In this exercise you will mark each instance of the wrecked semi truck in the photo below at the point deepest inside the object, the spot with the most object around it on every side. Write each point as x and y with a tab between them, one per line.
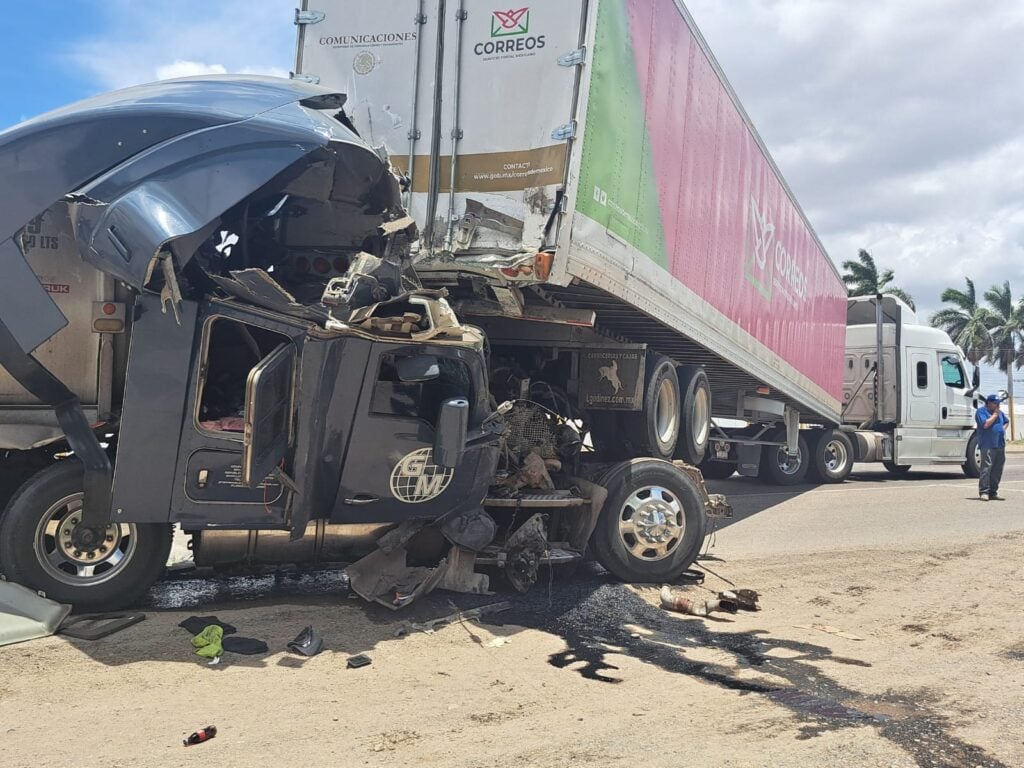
210	317
593	195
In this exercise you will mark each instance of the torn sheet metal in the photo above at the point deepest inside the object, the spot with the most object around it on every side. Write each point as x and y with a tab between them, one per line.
24	615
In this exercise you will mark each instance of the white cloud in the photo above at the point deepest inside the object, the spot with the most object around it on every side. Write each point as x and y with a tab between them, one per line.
897	125
181	68
143	42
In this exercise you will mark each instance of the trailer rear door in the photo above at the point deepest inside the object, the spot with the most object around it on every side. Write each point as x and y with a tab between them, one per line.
430	80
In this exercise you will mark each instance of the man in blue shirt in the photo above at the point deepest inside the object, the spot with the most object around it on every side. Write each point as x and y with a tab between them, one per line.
992	442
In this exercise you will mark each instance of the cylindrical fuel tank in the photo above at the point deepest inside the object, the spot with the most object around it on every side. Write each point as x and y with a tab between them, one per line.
323	543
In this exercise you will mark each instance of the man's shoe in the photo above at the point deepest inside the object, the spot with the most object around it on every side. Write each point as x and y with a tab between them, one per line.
997	497
983	496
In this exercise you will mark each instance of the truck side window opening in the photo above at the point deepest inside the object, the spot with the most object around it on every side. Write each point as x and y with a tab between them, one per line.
922	375
419	400
953	373
232	350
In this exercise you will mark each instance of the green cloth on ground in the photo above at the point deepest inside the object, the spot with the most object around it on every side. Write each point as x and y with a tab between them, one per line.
208	643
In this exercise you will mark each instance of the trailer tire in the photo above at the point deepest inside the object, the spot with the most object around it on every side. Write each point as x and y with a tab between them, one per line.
654	430
781	469
652	524
831	456
717	470
899	470
972	461
36	549
695	418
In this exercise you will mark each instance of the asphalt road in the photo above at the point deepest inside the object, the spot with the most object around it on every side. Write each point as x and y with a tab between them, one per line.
872	510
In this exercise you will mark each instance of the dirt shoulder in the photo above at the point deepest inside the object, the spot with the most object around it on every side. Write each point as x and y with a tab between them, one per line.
582	671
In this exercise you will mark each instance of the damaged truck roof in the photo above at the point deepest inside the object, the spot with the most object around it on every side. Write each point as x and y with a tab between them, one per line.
148	171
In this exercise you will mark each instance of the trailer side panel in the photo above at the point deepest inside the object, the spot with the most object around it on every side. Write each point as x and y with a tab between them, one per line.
678	193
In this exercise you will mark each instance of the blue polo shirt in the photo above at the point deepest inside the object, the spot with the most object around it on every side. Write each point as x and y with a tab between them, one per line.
994	436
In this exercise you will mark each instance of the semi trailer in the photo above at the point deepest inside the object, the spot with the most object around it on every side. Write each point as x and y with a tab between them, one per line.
472	289
593	195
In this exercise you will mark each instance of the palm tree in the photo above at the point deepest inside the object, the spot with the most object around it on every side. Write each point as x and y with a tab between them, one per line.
862	279
966	322
1007	327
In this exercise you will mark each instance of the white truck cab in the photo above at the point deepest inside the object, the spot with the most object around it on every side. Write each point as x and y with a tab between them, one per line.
919	410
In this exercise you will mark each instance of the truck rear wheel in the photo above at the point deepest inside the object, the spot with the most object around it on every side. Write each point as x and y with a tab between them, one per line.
831	456
37	548
654	431
652	524
972	461
695	430
779	467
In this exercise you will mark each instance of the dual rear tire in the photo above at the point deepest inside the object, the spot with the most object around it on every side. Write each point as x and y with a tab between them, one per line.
674	421
823	456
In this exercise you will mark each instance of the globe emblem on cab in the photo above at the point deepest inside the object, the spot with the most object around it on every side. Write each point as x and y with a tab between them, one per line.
416	478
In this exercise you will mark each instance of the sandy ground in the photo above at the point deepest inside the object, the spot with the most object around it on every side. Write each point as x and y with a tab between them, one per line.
585	670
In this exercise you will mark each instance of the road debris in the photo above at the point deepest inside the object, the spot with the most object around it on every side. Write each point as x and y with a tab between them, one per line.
208	643
307	643
359	660
198	737
680	602
99	625
25	615
430	627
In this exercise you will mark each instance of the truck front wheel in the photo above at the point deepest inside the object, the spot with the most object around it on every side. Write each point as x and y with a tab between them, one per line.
831	456
652	524
972	460
38	547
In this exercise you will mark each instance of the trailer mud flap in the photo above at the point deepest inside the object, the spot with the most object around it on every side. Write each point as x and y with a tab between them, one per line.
612	379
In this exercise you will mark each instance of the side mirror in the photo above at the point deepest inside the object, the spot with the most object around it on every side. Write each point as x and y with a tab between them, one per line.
976	377
417	369
452	427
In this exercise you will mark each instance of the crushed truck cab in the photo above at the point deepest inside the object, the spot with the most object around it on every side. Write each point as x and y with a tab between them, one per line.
241	345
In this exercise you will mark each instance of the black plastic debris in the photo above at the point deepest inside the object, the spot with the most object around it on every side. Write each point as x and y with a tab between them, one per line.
307	643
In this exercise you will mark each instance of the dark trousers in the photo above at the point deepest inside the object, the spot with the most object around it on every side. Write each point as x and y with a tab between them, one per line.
992	461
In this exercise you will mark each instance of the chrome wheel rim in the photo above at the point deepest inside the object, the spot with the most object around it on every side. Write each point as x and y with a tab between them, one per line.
789	464
666	412
62	560
652	523
701	417
836	456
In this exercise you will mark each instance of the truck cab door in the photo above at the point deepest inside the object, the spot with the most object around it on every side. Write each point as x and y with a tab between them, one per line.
956	410
919	431
390	472
268	414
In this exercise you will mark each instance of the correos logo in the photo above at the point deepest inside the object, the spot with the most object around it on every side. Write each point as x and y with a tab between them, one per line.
509	23
510	35
769	263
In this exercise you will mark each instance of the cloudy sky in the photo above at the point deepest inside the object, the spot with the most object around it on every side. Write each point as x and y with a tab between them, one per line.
899	124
